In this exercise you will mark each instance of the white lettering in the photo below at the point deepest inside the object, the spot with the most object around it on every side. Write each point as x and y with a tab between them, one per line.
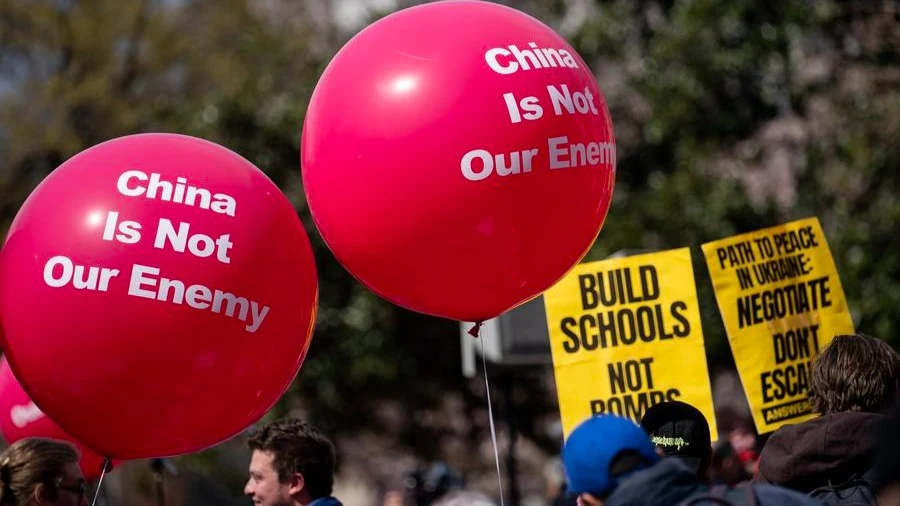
512	167
219	297
593	153
65	276
138	280
79	281
197	296
193	193
109	230
511	59
512	108
200	245
128	191
177	287
580	101
564	155
105	276
223	204
180	193
527	156
506	164
567	59
258	316
156	184
165	231
128	230
223	244
491	58
97	278
539	54
487	164
555	152
532	108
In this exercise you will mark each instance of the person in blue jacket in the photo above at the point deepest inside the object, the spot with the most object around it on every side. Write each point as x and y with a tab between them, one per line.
292	464
610	461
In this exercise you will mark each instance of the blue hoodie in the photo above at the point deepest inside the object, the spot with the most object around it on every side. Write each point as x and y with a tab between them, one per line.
669	482
325	501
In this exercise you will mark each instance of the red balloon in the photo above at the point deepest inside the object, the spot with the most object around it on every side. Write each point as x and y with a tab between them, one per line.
157	295
458	158
20	418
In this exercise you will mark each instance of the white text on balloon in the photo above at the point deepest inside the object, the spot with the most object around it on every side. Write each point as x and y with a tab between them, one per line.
197	296
563	101
61	271
129	231
200	245
130	185
581	101
579	154
511	59
519	162
97	277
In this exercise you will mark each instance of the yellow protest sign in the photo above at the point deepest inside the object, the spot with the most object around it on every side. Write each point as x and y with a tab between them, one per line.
625	334
781	300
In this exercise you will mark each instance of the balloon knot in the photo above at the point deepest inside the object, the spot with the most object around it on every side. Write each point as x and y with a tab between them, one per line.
475	329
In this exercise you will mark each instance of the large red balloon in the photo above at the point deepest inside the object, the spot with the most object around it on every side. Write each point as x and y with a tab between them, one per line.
458	158
20	418
157	295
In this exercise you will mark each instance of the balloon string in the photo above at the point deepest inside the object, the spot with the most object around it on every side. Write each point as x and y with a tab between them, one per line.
474	331
487	388
100	483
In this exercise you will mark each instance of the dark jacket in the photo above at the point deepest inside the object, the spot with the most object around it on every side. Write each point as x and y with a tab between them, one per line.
670	482
833	447
325	501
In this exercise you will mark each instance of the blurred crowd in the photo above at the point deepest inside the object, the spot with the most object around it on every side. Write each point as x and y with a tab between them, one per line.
847	455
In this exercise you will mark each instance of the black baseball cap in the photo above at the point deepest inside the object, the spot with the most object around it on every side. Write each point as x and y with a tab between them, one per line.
679	430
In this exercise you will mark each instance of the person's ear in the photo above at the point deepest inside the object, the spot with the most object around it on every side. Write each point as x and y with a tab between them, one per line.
41	494
296	483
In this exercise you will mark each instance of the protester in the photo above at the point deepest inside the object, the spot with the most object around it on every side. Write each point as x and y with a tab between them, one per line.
742	438
610	461
41	472
424	487
852	381
292	464
680	430
726	467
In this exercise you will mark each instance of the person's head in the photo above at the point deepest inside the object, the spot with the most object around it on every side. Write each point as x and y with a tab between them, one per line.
680	430
854	373
425	487
602	451
291	463
41	472
726	466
